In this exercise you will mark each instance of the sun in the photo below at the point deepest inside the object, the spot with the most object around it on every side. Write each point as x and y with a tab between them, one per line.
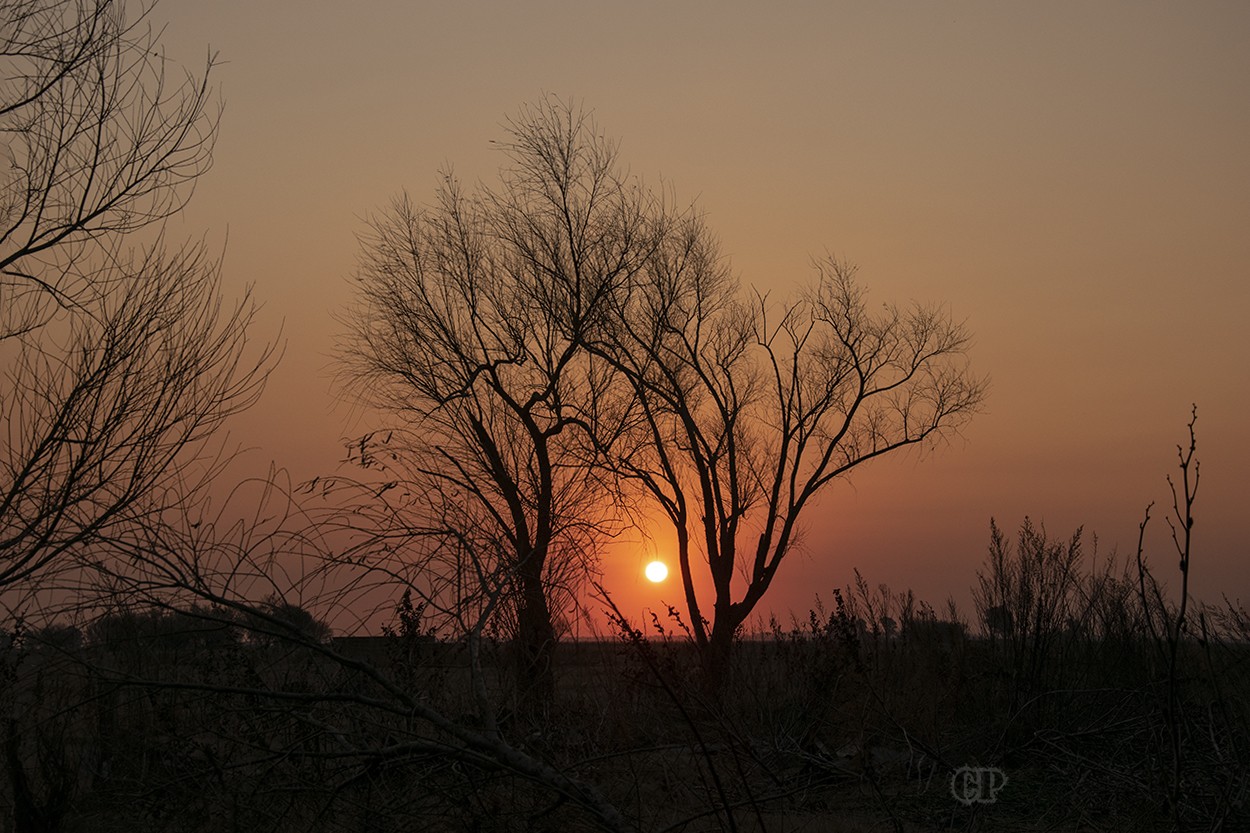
656	571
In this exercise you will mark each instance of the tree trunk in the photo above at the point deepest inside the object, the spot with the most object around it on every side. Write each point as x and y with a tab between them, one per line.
536	643
718	653
30	815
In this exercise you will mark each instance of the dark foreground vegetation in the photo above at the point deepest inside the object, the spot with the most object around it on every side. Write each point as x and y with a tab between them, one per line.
1067	681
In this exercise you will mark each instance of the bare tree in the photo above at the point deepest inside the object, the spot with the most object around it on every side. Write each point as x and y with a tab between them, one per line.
471	329
119	358
745	412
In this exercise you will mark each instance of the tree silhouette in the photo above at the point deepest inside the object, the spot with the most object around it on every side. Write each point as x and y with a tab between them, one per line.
471	334
118	355
745	411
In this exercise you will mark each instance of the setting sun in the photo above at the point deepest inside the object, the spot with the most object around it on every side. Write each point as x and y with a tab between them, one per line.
657	571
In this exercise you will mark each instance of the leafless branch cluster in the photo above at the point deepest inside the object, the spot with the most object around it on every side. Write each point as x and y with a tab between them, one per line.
119	356
103	138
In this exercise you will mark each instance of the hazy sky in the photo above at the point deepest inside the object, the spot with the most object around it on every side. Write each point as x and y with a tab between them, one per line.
1073	179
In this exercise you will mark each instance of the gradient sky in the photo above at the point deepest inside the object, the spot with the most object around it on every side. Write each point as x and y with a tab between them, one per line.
1073	179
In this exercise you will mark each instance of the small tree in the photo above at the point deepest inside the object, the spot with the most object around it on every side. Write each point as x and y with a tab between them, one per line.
470	333
745	412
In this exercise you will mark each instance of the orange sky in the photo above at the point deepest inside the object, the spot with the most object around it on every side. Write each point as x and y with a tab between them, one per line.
1071	178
